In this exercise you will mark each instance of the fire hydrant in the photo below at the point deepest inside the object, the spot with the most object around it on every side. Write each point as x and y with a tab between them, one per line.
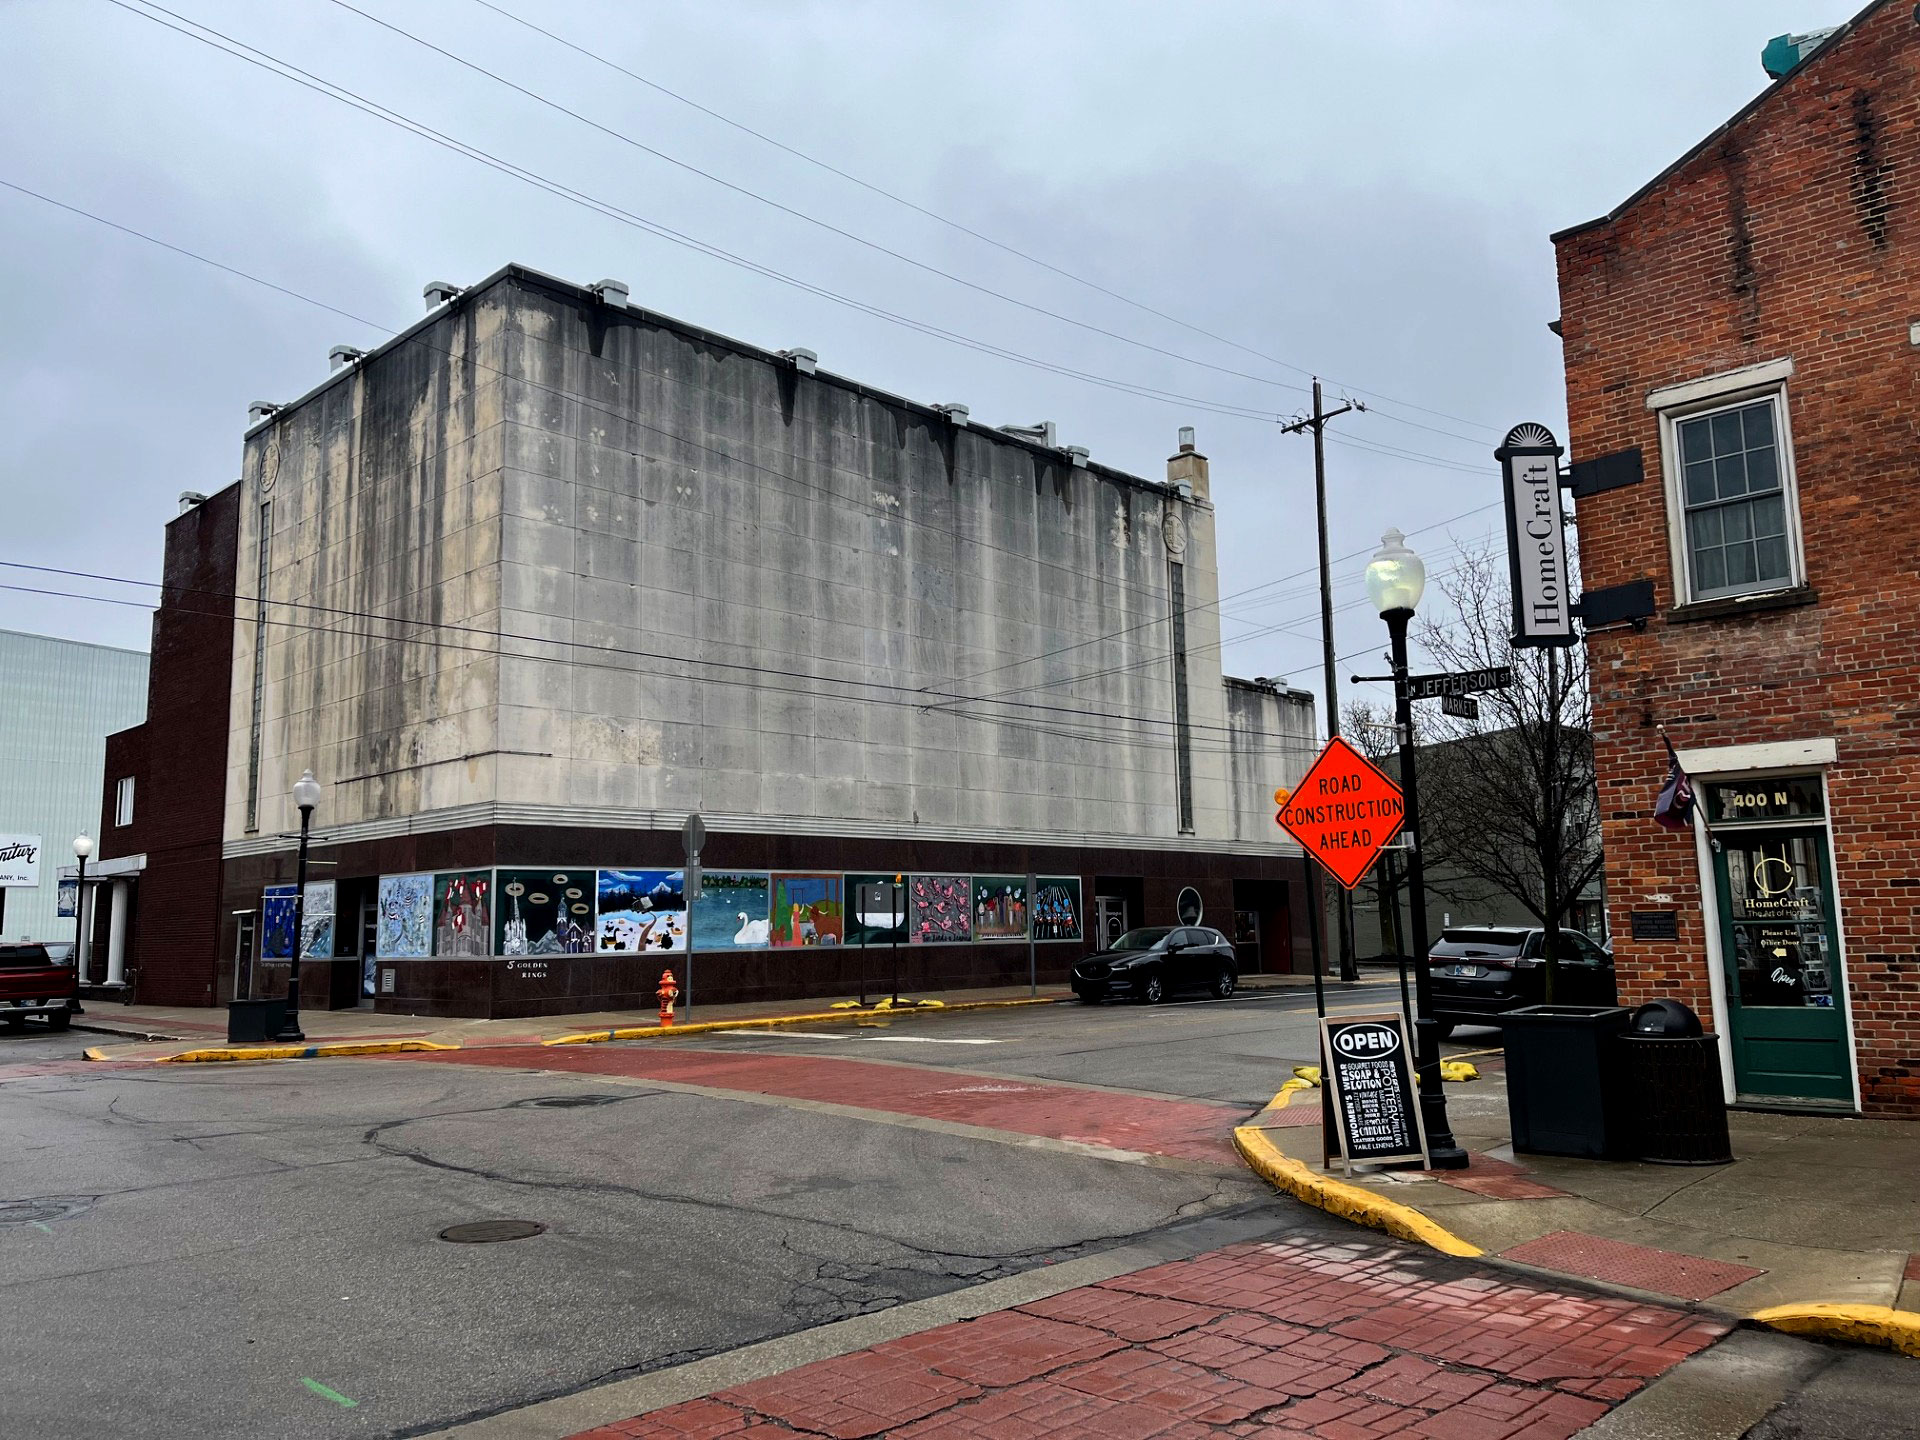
668	992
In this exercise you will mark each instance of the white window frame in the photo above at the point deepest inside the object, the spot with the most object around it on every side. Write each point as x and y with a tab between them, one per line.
123	801
1715	393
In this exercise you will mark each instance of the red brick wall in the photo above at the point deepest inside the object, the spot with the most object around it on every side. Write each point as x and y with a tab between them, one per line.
180	759
1793	233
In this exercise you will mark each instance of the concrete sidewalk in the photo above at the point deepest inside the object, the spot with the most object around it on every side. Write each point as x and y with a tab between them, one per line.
145	1032
1813	1209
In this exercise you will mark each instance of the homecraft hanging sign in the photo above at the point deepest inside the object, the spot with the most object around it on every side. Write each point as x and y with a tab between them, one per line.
1541	582
19	861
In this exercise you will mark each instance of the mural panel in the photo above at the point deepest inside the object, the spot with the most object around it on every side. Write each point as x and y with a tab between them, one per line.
1000	907
1056	909
805	909
406	917
316	921
939	909
276	922
874	927
544	912
642	910
732	911
463	913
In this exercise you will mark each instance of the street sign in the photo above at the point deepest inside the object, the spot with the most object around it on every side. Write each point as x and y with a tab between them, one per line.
693	834
1459	682
1369	1076
1541	582
1342	811
1463	707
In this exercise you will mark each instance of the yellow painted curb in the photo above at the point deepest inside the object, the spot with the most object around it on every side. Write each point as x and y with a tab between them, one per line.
769	1022
1349	1202
321	1051
94	1052
1859	1324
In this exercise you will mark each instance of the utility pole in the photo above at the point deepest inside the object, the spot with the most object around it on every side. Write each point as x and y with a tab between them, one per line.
1317	423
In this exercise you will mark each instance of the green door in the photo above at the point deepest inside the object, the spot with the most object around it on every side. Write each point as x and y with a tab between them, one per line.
1786	997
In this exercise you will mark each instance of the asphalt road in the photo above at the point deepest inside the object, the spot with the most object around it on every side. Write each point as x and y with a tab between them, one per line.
183	1250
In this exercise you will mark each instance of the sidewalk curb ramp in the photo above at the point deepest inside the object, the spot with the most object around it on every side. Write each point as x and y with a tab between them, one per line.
1855	1324
1349	1202
220	1054
770	1022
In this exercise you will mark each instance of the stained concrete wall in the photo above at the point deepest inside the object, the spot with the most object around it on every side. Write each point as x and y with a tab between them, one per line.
786	600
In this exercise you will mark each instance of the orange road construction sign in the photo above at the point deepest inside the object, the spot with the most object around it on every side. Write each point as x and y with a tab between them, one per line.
1343	811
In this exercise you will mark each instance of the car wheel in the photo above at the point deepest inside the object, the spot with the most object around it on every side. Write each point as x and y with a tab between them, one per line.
1223	985
1089	999
1153	990
59	1019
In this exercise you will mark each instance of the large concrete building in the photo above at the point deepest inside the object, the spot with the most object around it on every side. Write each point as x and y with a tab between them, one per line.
1742	345
58	701
546	573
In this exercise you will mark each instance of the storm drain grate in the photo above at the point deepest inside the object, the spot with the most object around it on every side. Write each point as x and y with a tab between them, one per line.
489	1232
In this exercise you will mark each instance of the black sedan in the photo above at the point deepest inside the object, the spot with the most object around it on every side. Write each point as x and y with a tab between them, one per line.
1150	964
1481	970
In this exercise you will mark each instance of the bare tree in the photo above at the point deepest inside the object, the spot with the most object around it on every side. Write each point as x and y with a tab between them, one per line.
1510	797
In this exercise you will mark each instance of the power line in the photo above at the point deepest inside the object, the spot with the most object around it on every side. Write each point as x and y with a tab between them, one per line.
960	226
273	65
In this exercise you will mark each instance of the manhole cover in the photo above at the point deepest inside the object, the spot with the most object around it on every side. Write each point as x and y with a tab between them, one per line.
572	1102
487	1232
43	1210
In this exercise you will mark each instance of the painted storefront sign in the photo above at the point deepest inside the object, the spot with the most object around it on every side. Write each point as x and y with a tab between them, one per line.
939	909
405	925
545	912
463	913
806	909
732	911
19	862
642	910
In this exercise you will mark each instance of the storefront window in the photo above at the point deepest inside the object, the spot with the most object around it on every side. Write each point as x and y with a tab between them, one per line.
1779	907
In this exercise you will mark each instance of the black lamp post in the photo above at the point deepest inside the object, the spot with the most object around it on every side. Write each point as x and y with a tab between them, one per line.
82	848
1396	578
306	795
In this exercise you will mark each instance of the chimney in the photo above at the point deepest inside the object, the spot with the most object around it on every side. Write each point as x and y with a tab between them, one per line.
440	292
189	499
1187	469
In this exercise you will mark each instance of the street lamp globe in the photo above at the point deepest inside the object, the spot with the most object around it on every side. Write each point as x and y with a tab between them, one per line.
82	847
306	792
1396	577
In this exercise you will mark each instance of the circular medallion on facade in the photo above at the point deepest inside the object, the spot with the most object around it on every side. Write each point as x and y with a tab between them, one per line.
1188	907
1174	530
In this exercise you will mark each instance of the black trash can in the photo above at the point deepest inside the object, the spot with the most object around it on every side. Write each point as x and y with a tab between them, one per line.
1564	1093
1672	1076
254	1022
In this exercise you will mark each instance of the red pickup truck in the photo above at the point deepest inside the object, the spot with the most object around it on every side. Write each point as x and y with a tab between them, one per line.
35	981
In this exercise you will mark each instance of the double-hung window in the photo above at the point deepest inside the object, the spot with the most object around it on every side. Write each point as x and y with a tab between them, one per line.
1732	501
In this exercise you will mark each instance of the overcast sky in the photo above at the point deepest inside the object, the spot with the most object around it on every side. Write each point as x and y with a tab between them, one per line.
1364	190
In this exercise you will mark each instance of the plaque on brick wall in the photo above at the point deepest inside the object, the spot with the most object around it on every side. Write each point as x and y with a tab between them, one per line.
1656	924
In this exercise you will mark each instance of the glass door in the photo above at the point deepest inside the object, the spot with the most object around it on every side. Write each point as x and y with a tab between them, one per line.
1786	1000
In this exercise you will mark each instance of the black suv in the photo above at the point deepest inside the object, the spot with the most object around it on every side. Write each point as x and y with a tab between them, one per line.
1150	964
1481	970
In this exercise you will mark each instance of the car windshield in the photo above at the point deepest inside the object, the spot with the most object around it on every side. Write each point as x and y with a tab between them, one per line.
1490	944
1141	939
24	957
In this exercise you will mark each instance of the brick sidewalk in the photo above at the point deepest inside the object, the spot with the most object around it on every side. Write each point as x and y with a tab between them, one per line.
1338	1341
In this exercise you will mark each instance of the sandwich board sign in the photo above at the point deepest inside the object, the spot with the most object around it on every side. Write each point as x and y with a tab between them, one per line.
1369	1078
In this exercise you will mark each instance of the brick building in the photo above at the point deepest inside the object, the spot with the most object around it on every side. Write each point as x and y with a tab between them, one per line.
546	572
1749	323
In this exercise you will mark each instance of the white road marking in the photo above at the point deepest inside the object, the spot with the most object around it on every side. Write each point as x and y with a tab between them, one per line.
930	1040
782	1034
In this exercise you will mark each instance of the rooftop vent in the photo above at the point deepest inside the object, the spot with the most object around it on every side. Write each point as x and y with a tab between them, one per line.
342	356
1045	431
1186	438
440	292
189	499
261	410
610	293
805	361
956	413
1786	53
1078	454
